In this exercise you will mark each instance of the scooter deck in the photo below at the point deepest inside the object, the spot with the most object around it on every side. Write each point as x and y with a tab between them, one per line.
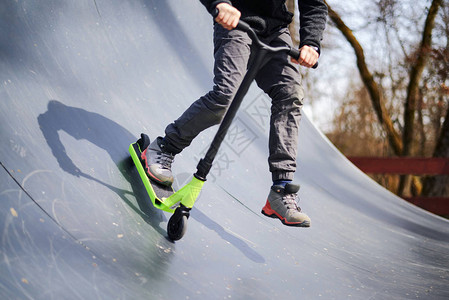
157	193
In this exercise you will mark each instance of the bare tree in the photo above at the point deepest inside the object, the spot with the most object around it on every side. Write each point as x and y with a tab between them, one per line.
401	138
439	185
371	85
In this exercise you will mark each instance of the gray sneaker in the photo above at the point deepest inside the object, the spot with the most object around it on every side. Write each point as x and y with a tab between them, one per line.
281	203
158	163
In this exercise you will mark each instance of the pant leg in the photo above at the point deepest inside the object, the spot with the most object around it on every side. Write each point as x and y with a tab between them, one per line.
281	80
231	54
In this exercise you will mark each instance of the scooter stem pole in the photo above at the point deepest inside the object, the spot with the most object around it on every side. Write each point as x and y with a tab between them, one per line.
205	164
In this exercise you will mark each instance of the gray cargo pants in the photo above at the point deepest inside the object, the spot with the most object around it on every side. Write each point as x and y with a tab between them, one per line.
279	78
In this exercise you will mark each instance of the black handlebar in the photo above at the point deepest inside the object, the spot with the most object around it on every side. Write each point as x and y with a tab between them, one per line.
243	26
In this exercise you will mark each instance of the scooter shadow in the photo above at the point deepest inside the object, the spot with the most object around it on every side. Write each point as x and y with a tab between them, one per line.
105	134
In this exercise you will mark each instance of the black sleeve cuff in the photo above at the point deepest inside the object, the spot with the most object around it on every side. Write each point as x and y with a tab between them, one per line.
214	4
312	45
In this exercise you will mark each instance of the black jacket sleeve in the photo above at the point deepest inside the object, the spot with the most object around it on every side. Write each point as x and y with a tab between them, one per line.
312	21
312	16
211	4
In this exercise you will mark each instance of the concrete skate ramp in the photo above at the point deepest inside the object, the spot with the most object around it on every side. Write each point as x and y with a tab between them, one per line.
80	80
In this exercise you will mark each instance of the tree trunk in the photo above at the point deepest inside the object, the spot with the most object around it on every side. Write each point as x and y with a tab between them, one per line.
413	86
415	77
439	185
372	87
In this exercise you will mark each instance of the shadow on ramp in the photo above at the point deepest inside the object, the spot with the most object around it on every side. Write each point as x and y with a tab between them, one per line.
105	134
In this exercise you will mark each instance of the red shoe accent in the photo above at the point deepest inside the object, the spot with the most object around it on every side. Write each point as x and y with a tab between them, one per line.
269	212
143	157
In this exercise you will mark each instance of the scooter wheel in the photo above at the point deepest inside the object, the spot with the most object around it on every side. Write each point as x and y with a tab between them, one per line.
177	227
143	142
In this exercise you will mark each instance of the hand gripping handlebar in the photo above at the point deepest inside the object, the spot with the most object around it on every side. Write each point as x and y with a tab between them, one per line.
243	26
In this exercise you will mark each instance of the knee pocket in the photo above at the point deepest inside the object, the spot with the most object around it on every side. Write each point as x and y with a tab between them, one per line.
285	97
215	113
283	92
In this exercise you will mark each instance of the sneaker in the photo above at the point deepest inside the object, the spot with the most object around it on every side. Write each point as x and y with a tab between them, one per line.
281	203
158	163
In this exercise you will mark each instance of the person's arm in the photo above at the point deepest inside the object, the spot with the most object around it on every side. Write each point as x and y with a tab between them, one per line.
312	21
228	16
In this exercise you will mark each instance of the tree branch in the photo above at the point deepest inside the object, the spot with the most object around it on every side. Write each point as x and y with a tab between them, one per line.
368	80
415	77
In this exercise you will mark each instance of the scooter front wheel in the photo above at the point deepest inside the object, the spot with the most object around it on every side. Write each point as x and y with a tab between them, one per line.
177	225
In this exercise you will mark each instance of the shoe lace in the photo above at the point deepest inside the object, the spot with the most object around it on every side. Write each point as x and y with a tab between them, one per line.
289	200
165	160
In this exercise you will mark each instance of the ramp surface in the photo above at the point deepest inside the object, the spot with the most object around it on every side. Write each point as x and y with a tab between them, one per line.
80	80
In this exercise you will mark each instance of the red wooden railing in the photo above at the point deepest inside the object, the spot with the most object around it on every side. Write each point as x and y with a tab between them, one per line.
412	166
402	165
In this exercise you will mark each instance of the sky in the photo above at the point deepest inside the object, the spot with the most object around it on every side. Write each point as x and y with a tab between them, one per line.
326	86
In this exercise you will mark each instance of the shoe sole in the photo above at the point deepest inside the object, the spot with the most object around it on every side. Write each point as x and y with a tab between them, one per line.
273	214
157	180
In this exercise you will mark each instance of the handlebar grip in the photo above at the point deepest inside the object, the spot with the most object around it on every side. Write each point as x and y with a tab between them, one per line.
294	53
244	26
215	13
241	25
